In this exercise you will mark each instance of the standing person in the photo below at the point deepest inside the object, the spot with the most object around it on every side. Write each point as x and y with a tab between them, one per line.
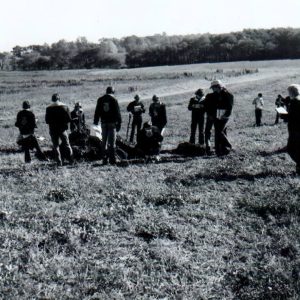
58	117
26	122
293	146
258	102
78	118
198	112
218	106
107	109
136	108
158	114
279	102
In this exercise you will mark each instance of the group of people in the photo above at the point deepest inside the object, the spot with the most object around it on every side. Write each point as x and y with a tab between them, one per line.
217	106
207	112
281	104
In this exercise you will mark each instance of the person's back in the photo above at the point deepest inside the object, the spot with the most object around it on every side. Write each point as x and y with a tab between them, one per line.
158	114
57	117
294	115
26	122
107	110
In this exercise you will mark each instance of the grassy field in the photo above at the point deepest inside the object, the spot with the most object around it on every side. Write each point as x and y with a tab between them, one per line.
202	228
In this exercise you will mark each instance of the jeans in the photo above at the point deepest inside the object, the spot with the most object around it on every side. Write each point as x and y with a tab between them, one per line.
222	144
28	143
197	121
136	123
258	115
109	136
63	136
208	127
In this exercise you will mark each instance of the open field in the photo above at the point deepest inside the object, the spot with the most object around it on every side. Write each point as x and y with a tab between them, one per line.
206	228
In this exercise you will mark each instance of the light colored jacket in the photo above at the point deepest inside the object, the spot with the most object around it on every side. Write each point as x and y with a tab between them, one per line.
259	103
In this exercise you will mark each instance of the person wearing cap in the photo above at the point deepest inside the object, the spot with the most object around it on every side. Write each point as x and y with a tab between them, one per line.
149	140
136	108
258	102
58	118
198	112
78	118
218	106
108	110
26	122
293	145
158	114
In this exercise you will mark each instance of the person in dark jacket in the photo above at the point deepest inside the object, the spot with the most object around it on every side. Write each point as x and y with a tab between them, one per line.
78	118
58	117
198	113
107	109
158	114
149	140
293	146
26	122
218	106
136	108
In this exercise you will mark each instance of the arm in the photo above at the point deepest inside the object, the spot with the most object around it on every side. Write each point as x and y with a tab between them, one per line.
190	106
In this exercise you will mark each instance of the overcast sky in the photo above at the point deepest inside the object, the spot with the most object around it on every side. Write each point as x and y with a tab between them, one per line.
27	22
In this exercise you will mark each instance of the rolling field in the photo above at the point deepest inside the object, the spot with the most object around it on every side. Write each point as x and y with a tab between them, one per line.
201	228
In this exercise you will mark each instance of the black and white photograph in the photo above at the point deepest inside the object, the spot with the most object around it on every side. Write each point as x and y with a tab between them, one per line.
150	150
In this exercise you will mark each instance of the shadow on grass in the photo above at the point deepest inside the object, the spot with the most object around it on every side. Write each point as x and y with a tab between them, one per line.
226	176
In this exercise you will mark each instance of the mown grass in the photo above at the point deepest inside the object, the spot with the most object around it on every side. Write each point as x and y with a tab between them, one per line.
206	228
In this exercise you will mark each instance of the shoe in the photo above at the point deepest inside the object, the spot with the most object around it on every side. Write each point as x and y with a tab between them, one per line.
105	162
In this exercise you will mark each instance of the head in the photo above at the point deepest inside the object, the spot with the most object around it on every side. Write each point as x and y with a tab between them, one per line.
55	97
137	98
216	86
148	129
294	90
78	105
26	105
155	98
259	95
199	93
110	90
279	96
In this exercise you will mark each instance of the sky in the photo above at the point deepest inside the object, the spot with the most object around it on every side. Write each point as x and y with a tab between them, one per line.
29	22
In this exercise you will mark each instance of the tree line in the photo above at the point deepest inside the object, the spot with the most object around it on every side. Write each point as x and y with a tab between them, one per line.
156	50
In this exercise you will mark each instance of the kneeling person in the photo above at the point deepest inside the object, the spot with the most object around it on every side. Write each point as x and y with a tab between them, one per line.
149	140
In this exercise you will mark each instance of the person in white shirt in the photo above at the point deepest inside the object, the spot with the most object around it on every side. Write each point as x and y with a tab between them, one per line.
258	102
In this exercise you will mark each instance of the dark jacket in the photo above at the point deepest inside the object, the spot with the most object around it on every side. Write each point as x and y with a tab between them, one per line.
136	108
57	117
158	114
219	105
107	109
294	116
196	106
149	143
26	121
